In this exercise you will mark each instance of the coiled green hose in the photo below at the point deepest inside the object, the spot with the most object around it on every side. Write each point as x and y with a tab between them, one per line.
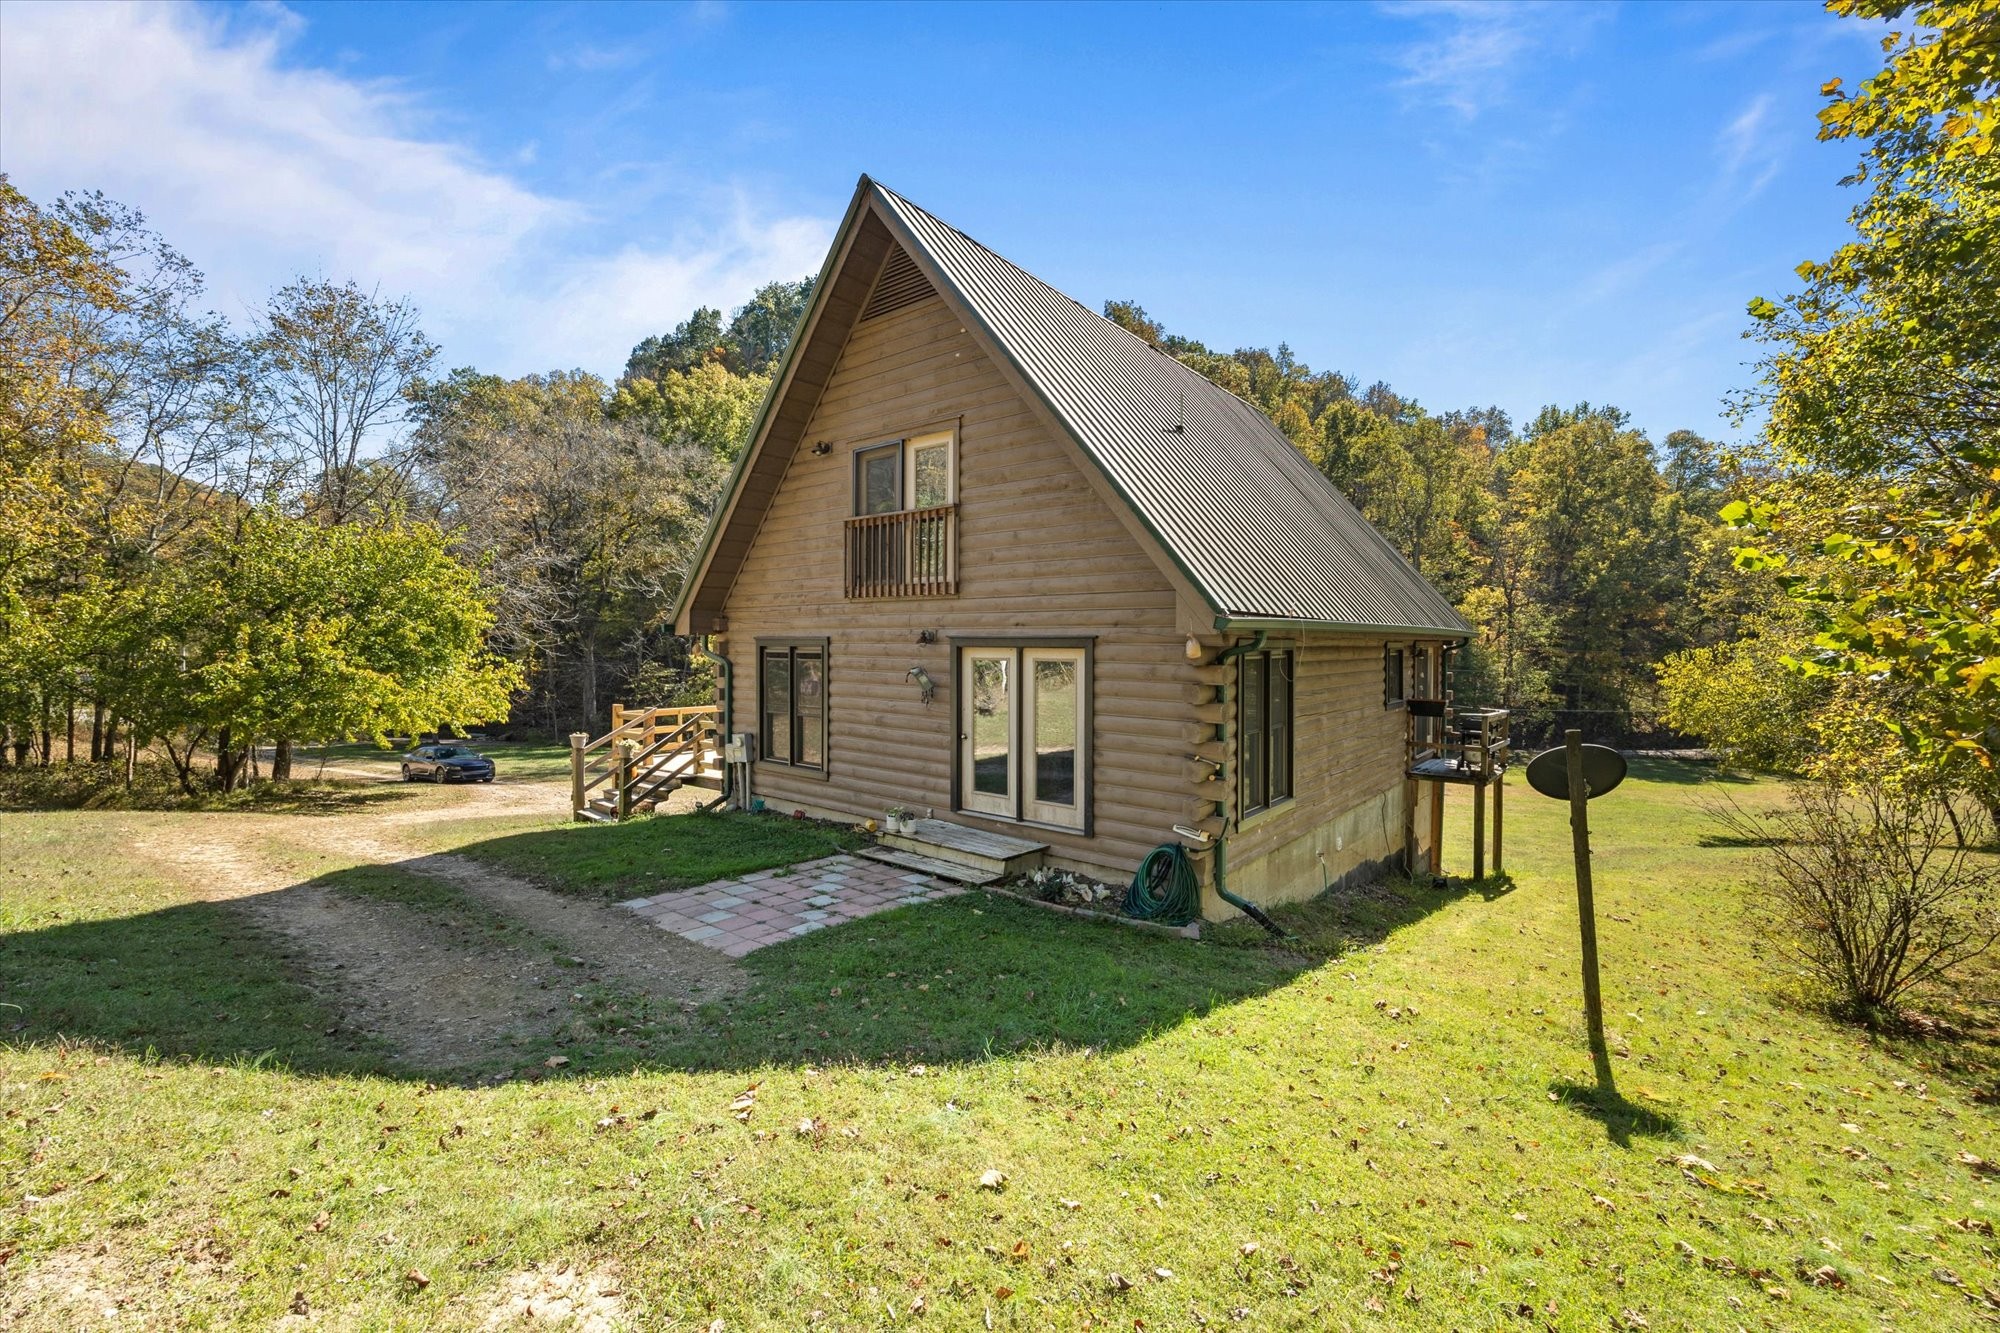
1165	889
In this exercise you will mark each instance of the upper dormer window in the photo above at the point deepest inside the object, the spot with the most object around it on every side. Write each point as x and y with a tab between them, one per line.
917	473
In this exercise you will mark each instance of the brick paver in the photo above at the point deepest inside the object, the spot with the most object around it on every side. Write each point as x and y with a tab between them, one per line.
770	906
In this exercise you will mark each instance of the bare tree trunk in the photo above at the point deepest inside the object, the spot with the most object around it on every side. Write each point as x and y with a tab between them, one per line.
69	728
229	761
48	747
99	751
131	755
281	760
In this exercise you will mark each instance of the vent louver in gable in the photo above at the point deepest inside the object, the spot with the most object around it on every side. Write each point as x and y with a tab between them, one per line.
900	285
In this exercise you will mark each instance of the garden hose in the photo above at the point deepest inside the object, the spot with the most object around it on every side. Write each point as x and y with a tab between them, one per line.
1165	889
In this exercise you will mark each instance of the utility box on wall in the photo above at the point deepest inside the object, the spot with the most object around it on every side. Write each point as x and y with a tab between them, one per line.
737	750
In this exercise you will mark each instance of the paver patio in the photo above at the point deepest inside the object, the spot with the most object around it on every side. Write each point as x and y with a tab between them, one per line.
771	906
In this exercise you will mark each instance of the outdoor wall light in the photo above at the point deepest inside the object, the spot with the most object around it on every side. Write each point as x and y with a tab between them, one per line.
924	682
822	449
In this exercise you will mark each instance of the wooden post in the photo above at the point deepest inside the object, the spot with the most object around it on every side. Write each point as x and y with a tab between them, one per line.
626	749
577	740
1586	908
1437	829
1499	793
1479	830
1410	789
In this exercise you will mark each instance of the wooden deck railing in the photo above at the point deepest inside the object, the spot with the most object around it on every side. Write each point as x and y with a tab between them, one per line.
647	754
909	554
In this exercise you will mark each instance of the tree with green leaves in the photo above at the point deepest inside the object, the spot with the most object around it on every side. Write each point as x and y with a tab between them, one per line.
1879	504
282	626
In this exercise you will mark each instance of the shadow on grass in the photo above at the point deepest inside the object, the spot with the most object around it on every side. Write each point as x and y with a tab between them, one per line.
968	978
1621	1117
964	979
1739	840
1345	919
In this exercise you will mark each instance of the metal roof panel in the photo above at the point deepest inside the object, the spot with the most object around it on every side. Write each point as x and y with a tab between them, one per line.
1255	525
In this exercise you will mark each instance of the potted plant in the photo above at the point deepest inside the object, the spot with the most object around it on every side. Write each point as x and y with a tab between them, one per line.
900	820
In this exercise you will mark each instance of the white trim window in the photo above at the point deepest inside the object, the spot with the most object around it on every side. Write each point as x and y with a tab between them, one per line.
920	472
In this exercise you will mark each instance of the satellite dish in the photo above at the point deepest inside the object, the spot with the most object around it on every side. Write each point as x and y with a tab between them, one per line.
1603	769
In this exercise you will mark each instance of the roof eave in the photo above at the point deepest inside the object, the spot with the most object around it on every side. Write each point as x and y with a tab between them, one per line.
725	504
1226	624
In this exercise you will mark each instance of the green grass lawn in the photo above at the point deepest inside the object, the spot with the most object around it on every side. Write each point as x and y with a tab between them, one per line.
1392	1125
649	855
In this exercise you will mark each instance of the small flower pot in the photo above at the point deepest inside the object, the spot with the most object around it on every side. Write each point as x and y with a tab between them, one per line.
906	825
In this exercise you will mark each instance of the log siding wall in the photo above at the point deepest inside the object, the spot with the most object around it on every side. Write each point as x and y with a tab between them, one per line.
1351	799
1038	554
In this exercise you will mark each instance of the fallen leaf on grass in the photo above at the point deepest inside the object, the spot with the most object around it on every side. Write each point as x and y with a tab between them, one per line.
1119	1282
993	1180
745	1103
556	1061
1974	1224
416	1278
1978	1164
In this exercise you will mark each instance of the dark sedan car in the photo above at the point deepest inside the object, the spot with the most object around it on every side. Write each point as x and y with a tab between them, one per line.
446	763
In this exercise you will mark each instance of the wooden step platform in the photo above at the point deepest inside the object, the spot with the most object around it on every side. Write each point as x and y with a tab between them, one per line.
930	865
996	854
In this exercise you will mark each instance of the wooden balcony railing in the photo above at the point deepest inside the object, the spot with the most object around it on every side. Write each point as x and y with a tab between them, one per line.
910	554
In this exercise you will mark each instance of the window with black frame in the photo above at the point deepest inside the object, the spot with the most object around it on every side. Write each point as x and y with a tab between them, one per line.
1264	729
792	702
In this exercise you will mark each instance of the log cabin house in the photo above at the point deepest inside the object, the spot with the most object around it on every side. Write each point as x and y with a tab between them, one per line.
990	557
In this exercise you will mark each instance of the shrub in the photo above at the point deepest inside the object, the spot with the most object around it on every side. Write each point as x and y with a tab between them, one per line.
1870	890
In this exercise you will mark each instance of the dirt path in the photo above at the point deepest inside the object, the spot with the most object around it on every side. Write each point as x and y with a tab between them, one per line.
444	993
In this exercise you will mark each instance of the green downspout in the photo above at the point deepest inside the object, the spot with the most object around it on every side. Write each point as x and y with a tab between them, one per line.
1243	905
728	709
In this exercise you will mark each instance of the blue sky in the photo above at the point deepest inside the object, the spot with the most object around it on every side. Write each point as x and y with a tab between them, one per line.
1477	203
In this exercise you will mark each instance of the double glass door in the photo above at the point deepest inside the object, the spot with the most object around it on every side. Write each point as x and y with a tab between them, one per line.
1023	729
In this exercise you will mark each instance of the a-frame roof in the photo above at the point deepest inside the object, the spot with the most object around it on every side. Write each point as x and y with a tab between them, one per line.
1232	507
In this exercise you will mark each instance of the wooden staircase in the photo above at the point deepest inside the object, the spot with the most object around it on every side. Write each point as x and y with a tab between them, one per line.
648	754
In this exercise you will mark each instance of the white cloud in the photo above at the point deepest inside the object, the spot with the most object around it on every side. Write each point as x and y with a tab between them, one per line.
1471	50
1749	149
260	169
